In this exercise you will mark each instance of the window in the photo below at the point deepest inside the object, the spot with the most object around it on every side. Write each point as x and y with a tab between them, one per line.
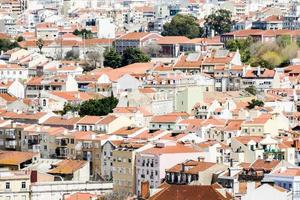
72	141
7	185
45	147
129	160
23	185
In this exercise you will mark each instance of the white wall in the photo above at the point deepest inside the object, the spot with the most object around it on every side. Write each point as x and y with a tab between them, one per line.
56	190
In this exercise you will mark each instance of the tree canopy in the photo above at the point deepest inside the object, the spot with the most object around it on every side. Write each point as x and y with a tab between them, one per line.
83	33
242	45
72	55
6	44
267	55
98	107
40	44
254	102
251	90
112	58
219	21
70	108
94	107
134	55
183	25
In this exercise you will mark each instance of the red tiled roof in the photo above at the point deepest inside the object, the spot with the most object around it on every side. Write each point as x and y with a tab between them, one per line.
173	40
169	149
189	192
67	166
81	196
134	36
90	120
246	139
165	119
265	73
266	165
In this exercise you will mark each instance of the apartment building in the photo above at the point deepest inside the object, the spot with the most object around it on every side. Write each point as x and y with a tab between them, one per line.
13	72
36	85
286	177
14	185
107	158
152	163
124	167
10	135
135	40
17	160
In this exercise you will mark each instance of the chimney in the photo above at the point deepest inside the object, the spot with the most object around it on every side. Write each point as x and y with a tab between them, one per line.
212	33
200	159
258	71
33	176
145	190
182	167
231	162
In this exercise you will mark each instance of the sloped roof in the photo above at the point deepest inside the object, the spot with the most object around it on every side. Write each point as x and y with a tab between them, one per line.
189	192
67	166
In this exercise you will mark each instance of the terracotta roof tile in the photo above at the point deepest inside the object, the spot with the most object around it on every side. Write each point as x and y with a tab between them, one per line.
15	157
173	40
81	196
266	165
90	120
67	166
246	139
169	149
189	192
134	36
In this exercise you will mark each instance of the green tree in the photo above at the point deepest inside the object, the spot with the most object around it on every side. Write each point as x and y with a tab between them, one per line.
219	21
254	102
72	55
20	39
69	108
112	58
183	25
243	45
251	90
87	34
268	54
98	107
134	55
273	58
40	44
283	40
6	44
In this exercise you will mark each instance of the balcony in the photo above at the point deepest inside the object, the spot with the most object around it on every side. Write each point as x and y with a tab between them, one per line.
247	177
10	145
10	135
277	155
